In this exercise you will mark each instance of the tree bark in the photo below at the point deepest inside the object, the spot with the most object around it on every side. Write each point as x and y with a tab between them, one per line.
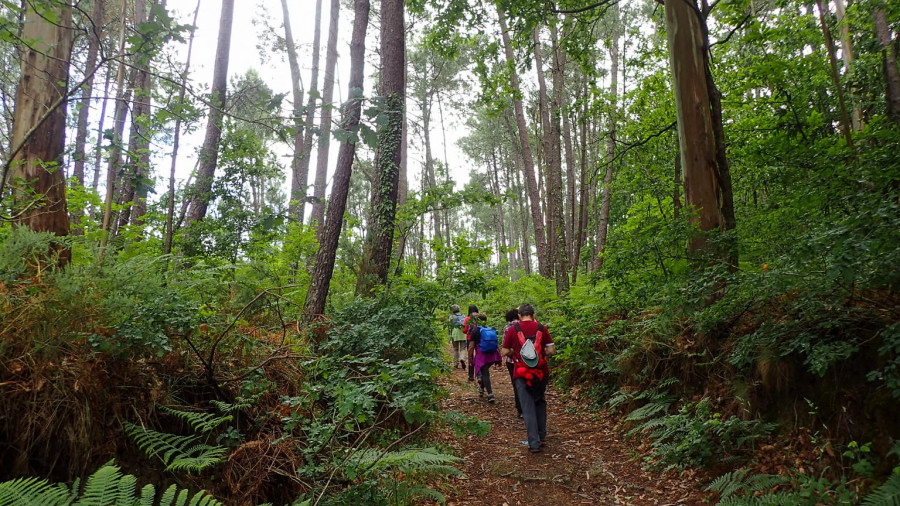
554	168
584	198
209	152
139	139
331	231
889	64
306	152
525	150
379	240
298	181
95	23
606	198
318	207
848	58
39	124
835	75
98	148
123	96
696	134
170	207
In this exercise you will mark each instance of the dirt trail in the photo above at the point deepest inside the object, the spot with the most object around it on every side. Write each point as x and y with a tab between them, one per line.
585	461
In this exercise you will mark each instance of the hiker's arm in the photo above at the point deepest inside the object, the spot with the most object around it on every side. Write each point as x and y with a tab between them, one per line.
549	349
505	351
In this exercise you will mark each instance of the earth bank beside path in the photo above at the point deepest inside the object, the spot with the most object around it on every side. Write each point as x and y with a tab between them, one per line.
585	460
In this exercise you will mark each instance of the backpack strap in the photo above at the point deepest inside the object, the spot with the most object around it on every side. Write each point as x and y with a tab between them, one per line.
520	334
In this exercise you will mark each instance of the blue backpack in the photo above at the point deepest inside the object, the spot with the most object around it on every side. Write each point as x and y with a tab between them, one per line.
488	342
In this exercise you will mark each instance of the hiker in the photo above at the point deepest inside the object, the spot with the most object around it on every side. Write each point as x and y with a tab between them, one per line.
512	317
469	327
486	350
457	338
529	343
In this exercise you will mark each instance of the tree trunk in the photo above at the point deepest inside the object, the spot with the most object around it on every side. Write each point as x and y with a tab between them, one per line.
298	181
429	175
209	152
170	207
584	198
123	96
726	198
889	64
603	222
835	75
98	148
140	119
39	124
95	24
554	169
525	150
847	56
676	192
306	152
696	135
379	241
318	207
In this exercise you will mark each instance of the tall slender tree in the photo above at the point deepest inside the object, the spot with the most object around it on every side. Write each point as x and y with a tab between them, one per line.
209	152
605	199
888	62
318	208
306	152
379	239
298	178
170	206
531	184
337	204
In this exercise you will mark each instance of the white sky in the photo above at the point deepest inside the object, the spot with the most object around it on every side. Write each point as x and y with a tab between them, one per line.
245	56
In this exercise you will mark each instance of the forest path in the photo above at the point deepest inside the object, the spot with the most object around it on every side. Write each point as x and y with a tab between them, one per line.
585	461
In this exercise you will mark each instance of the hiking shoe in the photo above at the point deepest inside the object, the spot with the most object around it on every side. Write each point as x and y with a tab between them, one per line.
480	392
535	450
491	398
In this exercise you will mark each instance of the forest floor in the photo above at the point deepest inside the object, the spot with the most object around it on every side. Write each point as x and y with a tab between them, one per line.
586	460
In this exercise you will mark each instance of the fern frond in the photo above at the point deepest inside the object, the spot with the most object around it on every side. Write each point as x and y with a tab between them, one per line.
106	486
33	491
178	453
427	461
203	423
888	494
649	410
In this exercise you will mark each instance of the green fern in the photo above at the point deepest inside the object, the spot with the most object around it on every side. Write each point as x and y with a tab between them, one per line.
888	494
411	463
203	423
739	481
178	453
106	487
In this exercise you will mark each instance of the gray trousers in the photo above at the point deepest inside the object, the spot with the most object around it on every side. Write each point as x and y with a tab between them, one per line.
534	409
459	351
484	378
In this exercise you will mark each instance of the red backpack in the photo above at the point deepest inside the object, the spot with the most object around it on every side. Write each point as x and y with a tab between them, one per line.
532	346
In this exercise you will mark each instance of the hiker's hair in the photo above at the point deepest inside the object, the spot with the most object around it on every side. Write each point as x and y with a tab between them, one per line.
473	308
454	308
482	317
526	309
512	315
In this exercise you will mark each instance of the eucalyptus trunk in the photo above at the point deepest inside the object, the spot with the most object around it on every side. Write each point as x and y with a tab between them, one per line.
39	126
835	74
696	133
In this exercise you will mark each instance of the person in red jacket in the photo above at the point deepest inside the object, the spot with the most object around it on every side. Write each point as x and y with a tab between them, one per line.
530	372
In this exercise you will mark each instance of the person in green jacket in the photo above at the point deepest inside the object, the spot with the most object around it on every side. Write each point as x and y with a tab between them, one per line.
457	338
